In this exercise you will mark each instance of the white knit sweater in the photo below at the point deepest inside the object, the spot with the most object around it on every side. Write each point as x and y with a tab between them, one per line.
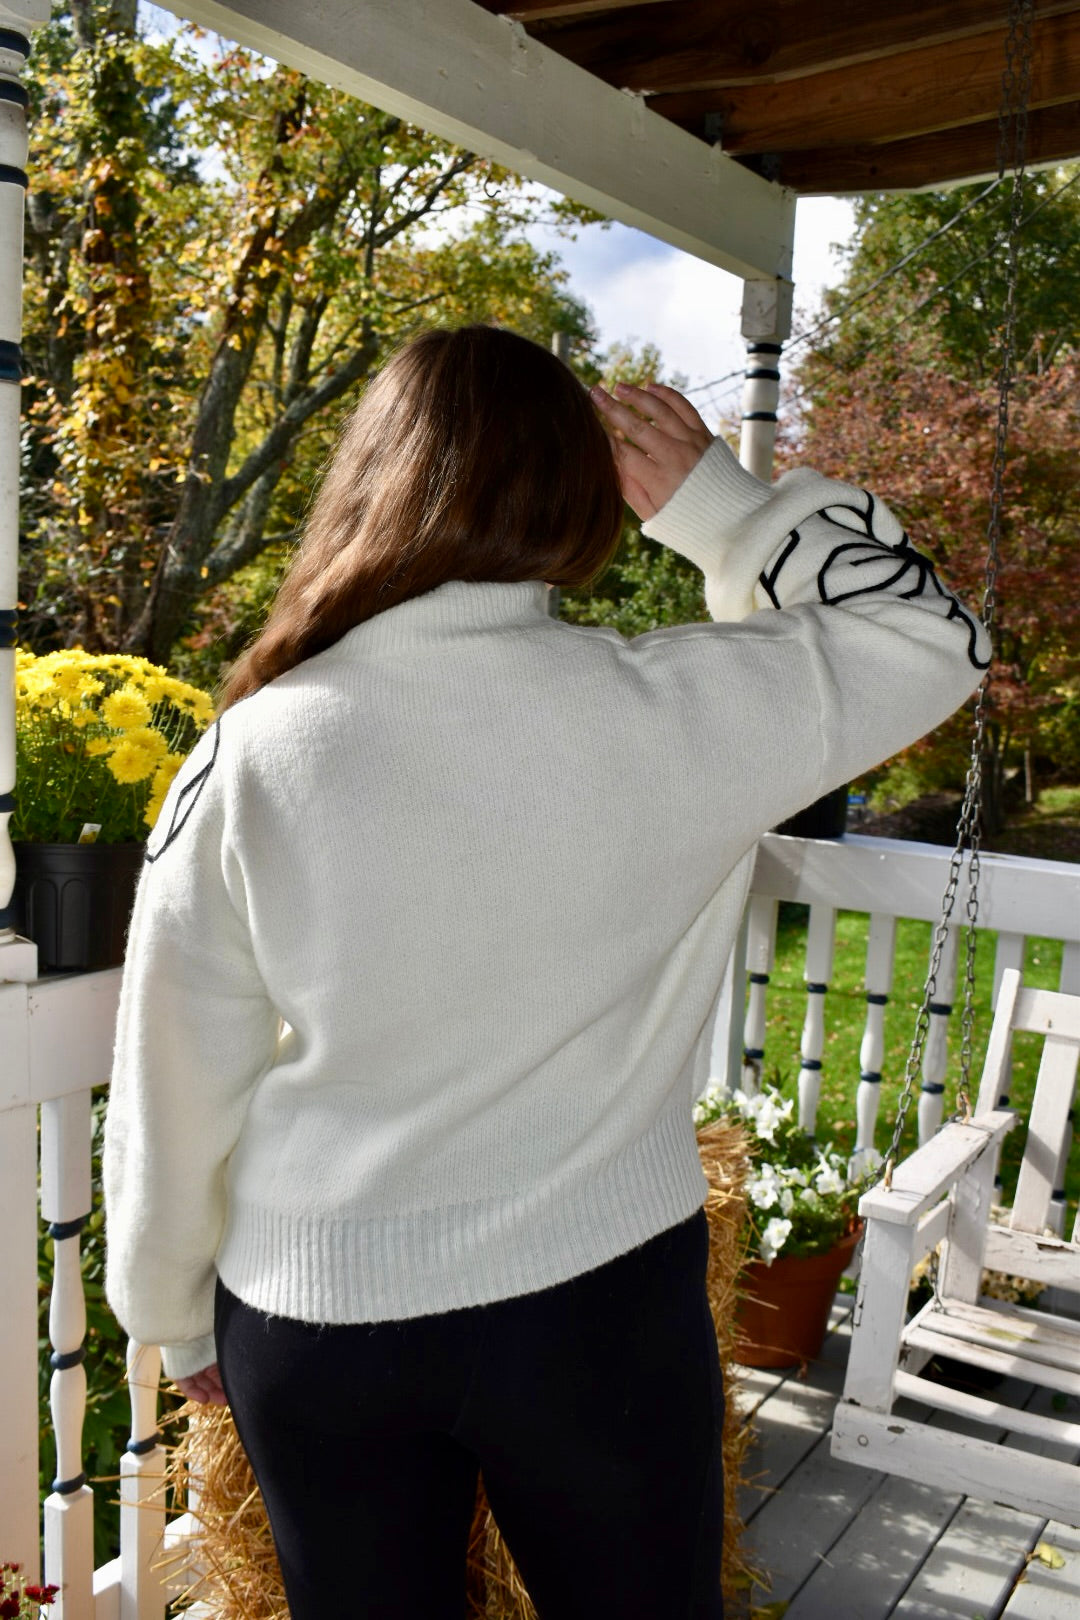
487	867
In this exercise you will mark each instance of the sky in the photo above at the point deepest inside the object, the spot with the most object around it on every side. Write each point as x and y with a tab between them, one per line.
640	290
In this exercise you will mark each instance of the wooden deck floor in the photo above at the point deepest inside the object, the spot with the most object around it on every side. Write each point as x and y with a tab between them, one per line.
841	1542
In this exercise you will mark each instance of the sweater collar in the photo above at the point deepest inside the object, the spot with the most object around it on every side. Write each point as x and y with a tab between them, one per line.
459	605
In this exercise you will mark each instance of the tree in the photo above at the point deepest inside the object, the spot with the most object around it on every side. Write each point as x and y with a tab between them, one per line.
220	252
900	393
927	268
924	439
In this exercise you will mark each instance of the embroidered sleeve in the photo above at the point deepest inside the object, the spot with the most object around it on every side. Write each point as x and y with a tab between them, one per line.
875	558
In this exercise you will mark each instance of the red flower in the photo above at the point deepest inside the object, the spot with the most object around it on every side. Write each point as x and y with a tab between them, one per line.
10	1608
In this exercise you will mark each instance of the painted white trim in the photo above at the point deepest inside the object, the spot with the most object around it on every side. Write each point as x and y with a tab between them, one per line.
480	81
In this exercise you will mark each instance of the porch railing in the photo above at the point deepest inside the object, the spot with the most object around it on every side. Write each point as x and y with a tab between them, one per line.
56	1043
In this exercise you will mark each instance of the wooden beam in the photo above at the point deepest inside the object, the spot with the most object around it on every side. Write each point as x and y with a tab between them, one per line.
928	160
896	98
528	11
480	82
683	45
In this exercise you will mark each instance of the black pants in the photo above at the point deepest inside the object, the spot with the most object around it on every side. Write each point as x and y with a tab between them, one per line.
594	1410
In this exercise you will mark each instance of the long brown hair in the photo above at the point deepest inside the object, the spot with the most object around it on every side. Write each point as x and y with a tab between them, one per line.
473	455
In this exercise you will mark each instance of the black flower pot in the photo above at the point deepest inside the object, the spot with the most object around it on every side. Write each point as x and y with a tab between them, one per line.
74	901
825	818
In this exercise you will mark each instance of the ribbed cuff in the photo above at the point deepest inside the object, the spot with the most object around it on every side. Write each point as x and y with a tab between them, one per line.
708	508
183	1360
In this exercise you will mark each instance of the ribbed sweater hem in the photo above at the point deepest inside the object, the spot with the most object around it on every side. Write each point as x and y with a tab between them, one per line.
364	1269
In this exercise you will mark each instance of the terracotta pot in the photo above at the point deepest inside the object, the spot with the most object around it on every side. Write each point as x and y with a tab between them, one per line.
783	1314
74	901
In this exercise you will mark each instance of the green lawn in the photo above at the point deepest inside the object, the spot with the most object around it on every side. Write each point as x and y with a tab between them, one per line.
845	1011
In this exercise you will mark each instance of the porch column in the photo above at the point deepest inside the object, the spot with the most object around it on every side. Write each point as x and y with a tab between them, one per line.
766	323
18	958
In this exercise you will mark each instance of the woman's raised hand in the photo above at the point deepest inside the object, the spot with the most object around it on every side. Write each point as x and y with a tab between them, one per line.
205	1387
658	438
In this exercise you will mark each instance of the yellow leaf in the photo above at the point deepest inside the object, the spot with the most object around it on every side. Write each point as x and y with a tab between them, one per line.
1048	1555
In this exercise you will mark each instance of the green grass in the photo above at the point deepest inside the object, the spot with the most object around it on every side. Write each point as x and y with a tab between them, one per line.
845	1013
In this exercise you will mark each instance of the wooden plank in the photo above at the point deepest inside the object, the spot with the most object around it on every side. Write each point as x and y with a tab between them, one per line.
1055	1341
902	879
695	44
979	1558
922	161
1047	1325
973	1567
1044	1485
481	81
1047	1124
996	1414
528	11
72	1022
868	1569
791	1413
993	1084
919	1181
1019	1363
1045	1592
895	98
1053	1261
1048	1012
797	1526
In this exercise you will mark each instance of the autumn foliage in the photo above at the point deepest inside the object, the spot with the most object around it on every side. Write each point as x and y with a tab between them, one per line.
924	439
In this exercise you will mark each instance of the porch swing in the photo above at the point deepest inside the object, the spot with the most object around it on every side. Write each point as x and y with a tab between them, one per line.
937	1203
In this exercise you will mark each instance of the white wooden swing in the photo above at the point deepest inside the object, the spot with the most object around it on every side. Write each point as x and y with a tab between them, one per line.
942	1195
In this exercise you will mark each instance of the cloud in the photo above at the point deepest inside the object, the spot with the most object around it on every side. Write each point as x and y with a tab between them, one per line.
642	291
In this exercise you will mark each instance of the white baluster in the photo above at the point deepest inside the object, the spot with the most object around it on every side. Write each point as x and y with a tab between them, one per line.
1069	982
65	1204
936	1051
142	1504
19	1516
880	954
18	958
820	938
760	955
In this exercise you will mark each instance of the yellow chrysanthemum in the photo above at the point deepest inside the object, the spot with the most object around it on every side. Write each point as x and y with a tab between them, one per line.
68	679
136	755
125	709
98	745
155	688
163	778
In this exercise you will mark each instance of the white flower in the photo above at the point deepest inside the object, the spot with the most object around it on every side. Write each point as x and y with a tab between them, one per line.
829	1180
787	1201
773	1239
764	1188
809	1196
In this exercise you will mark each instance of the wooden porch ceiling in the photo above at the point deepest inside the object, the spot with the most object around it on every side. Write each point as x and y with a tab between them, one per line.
843	96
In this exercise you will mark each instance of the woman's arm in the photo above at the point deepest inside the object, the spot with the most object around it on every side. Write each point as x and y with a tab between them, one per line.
196	1032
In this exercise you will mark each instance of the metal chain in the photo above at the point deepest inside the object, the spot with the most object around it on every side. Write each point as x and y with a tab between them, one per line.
1012	152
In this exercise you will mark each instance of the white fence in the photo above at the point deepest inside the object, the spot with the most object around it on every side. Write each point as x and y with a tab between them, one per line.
56	1043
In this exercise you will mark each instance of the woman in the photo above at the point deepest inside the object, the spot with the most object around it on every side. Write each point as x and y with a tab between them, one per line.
399	1154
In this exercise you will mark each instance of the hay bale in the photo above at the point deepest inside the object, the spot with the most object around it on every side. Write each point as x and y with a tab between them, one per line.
232	1568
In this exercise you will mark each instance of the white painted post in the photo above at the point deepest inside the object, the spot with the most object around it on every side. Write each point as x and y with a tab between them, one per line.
935	1061
65	1204
142	1502
19	1520
18	958
880	952
820	939
760	953
766	324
